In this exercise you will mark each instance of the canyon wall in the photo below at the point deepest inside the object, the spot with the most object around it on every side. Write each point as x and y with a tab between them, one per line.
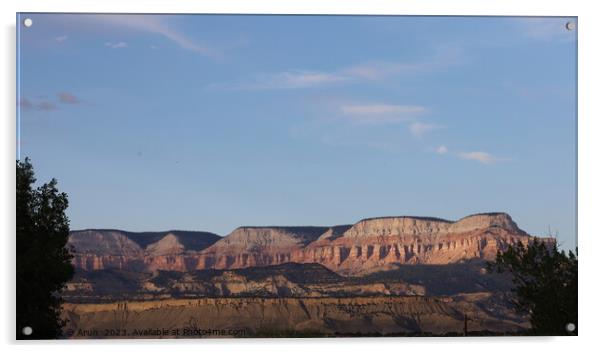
369	245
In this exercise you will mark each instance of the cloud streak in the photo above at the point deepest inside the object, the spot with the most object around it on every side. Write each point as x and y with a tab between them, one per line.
44	106
285	80
116	45
418	129
380	113
369	71
478	156
441	149
155	24
380	70
68	98
381	109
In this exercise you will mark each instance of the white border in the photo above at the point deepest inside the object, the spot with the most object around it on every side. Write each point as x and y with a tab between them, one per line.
590	174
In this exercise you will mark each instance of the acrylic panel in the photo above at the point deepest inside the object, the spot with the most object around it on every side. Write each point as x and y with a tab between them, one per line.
239	176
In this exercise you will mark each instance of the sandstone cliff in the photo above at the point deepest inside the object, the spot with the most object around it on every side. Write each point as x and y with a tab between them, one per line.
377	243
257	246
97	249
369	245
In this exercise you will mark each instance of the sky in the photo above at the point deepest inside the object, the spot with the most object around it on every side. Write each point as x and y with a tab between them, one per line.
210	122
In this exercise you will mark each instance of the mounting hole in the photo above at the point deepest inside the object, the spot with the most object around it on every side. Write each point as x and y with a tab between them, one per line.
28	22
570	327
570	26
27	330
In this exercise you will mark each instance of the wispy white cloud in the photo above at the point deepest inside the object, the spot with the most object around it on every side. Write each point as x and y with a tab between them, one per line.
477	156
60	39
418	129
380	109
306	78
116	45
481	157
158	25
381	113
284	80
380	70
369	71
441	149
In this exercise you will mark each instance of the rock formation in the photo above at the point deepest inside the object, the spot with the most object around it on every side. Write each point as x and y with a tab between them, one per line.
287	280
376	243
97	249
248	317
367	246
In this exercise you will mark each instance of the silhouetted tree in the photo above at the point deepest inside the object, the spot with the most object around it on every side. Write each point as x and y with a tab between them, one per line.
43	262
545	285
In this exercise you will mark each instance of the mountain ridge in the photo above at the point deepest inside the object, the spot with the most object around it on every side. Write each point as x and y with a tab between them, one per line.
362	247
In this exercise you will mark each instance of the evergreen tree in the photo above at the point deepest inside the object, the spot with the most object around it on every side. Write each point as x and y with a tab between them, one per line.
43	261
545	281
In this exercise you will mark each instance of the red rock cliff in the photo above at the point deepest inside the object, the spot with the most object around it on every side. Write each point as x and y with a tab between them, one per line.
369	245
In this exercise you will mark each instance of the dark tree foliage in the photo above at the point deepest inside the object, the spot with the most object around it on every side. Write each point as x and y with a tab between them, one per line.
43	261
545	285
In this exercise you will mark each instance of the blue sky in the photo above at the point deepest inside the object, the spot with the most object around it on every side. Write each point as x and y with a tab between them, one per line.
211	122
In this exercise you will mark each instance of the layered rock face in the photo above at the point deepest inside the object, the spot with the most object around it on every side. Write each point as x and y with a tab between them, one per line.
369	245
247	317
377	243
287	280
258	246
98	249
